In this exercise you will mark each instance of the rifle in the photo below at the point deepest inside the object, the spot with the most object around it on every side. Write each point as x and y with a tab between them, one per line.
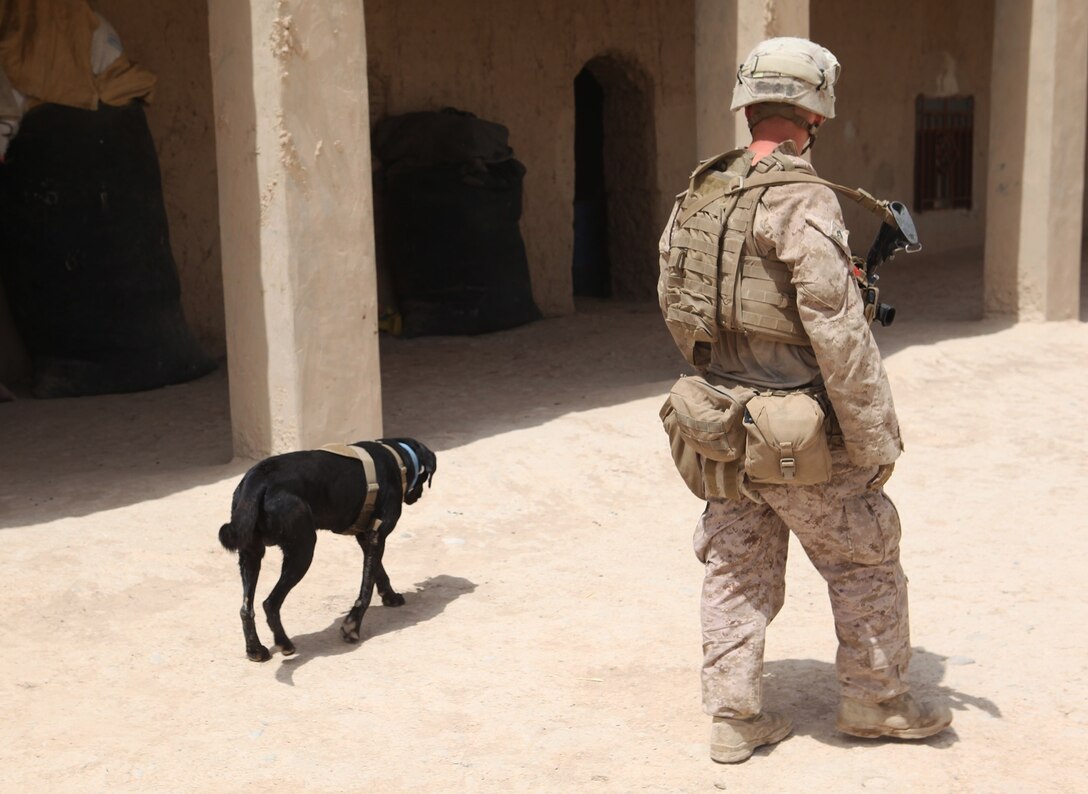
897	233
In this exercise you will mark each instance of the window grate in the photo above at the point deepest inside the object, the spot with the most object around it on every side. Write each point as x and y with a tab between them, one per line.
943	146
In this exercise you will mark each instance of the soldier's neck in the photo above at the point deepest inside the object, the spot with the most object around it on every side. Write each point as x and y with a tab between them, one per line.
768	134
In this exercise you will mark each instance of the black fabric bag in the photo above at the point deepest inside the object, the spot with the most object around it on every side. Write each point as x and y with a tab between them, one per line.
85	255
450	208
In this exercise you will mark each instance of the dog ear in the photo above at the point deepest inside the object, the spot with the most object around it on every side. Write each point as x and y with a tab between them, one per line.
432	464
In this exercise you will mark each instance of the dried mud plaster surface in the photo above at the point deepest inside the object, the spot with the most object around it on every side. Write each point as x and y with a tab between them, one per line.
289	158
285	45
283	39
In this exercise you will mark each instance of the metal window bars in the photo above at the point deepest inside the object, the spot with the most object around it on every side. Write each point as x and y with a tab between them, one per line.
943	152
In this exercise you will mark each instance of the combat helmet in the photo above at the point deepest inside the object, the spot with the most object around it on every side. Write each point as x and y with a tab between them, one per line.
783	72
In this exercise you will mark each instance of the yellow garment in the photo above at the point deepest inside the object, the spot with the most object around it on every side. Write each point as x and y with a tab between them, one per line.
123	81
45	50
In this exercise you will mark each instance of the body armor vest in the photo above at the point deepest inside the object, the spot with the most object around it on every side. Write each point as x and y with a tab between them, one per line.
709	281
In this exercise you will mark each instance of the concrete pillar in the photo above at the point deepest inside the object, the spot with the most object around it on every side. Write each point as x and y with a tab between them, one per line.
725	32
716	64
1035	185
295	209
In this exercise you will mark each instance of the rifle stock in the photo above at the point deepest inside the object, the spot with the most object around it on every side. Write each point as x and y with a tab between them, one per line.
891	238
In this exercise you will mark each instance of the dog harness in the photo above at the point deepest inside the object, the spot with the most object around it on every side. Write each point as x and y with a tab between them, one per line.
366	521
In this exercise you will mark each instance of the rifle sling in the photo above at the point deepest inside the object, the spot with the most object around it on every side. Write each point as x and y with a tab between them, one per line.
865	199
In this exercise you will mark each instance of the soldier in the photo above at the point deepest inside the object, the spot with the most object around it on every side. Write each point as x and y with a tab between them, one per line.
848	526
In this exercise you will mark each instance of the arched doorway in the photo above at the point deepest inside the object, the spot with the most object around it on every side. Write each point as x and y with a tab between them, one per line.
590	271
614	195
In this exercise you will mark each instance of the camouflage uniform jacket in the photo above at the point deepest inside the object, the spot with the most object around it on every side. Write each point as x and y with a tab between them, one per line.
802	226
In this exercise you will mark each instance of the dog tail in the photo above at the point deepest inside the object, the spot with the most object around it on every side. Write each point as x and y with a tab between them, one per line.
239	531
228	537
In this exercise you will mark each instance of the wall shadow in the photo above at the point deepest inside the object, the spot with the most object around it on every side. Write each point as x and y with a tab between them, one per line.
79	456
451	391
454	390
74	457
430	599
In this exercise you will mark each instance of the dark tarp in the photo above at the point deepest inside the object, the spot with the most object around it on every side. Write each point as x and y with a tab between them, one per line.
450	205
85	255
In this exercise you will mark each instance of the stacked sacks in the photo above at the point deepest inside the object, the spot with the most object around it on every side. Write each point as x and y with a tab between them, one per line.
448	206
85	255
84	243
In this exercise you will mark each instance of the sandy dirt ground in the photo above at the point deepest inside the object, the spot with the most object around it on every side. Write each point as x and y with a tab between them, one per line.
550	640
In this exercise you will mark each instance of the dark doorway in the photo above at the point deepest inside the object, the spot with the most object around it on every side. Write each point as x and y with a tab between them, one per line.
615	195
590	269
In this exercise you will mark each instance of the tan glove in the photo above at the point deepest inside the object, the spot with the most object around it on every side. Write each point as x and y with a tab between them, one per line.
883	474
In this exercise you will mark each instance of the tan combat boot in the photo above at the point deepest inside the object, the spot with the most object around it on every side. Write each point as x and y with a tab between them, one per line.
902	717
733	740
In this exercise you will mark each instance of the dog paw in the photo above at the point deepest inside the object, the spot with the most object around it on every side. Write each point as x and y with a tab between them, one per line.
350	633
286	648
259	654
393	600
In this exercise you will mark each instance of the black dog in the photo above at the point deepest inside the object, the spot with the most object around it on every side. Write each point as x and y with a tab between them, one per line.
284	499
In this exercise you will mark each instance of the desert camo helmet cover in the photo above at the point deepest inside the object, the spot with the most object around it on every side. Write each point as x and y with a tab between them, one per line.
789	71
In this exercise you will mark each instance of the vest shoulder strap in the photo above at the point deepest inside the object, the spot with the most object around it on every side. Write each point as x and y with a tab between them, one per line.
712	162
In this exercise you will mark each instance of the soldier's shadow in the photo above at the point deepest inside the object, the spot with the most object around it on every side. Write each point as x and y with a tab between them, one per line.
807	690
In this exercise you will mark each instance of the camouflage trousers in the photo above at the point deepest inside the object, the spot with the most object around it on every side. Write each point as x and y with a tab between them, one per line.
851	535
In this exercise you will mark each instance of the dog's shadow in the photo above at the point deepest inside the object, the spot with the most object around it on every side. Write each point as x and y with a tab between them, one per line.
427	601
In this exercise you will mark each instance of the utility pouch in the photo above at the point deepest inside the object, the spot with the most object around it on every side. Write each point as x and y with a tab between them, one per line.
787	440
706	437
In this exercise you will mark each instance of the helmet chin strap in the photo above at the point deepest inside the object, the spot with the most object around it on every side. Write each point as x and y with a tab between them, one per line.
811	138
765	110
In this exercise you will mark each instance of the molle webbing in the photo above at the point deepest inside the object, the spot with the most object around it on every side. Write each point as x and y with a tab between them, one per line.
768	301
694	251
737	226
756	294
708	281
